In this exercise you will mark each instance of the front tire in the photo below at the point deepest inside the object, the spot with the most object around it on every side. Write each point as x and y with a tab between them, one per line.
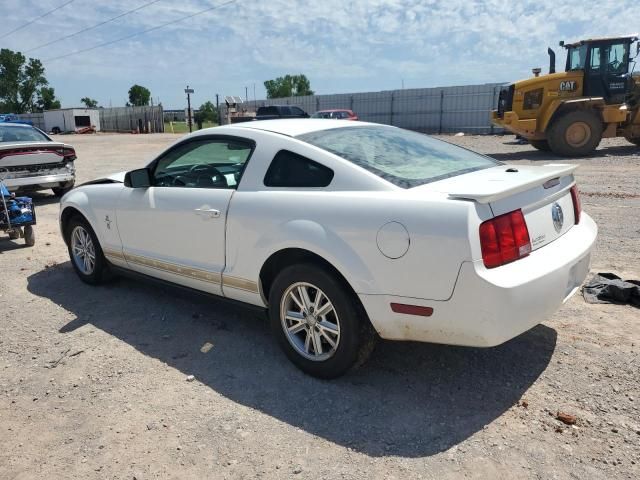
541	145
318	322
85	253
575	134
634	140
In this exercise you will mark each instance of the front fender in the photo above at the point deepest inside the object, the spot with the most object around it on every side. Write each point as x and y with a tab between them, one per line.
97	204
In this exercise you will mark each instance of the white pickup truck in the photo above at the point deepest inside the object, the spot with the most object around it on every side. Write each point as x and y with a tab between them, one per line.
30	160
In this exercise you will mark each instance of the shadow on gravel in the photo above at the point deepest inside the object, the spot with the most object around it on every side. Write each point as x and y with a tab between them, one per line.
409	400
538	156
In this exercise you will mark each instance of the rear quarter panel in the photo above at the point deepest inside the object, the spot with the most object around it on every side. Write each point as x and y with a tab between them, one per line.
342	228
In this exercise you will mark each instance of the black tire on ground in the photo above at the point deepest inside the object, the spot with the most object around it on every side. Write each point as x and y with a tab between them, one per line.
575	134
63	188
357	337
55	130
29	236
634	140
541	145
101	271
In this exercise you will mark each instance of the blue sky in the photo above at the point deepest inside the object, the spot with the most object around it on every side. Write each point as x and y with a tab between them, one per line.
341	45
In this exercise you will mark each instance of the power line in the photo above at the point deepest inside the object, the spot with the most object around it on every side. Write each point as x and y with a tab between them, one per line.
36	19
92	26
142	32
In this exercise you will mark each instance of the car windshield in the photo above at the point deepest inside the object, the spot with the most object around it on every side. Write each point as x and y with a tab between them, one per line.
11	134
405	158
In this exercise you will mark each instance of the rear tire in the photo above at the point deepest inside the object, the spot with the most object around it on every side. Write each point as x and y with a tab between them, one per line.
85	252
341	330
575	134
63	188
541	145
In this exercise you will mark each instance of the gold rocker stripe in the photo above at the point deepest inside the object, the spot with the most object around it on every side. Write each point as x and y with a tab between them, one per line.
188	272
240	283
113	253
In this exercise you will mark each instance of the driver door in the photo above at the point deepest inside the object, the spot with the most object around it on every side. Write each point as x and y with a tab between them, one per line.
175	229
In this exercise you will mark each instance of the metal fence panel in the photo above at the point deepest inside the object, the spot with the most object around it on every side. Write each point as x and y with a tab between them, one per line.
36	118
430	110
128	119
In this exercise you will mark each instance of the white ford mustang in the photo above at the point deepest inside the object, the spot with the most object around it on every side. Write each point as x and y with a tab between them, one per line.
344	231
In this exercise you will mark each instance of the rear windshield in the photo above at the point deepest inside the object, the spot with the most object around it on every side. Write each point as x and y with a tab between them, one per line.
406	159
10	134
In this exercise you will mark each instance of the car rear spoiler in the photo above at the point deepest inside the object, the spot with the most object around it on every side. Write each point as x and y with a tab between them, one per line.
507	180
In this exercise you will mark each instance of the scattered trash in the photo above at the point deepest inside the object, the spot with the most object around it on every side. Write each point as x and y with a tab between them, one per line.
190	378
206	347
566	418
610	288
459	134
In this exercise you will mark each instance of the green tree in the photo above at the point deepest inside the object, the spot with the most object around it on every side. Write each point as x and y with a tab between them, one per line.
47	99
139	96
20	81
89	102
206	113
288	86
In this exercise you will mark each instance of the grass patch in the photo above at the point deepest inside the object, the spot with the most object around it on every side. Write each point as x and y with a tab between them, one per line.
182	127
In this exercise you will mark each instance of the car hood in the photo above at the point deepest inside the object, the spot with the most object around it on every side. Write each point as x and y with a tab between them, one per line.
113	178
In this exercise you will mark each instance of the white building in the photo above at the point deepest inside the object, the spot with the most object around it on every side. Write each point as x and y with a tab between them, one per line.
70	119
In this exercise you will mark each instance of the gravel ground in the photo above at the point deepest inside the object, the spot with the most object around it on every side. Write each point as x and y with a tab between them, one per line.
95	382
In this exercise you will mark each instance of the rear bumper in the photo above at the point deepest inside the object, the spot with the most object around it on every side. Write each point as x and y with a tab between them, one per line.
38	181
490	306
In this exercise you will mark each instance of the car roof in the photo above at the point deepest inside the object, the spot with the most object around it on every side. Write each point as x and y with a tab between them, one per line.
296	126
334	110
17	125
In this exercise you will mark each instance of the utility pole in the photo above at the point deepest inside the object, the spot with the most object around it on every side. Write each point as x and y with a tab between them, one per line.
218	108
246	94
189	91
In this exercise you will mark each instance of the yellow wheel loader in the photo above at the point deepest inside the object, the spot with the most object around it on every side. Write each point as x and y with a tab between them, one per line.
568	113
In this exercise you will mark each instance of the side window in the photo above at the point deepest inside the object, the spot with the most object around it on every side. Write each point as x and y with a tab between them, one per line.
616	57
285	111
595	59
207	163
297	111
289	169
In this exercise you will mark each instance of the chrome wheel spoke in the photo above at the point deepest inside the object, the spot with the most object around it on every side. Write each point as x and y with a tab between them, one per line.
326	308
83	251
306	308
317	341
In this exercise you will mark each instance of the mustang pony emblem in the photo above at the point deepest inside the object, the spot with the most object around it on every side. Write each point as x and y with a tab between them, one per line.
557	216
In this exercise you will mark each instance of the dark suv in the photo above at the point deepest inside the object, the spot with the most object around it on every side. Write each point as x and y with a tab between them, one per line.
280	111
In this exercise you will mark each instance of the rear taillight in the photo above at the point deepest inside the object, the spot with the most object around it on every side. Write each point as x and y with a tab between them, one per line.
577	208
69	154
504	239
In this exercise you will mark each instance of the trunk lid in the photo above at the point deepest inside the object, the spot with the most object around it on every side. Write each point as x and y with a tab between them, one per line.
34	153
541	192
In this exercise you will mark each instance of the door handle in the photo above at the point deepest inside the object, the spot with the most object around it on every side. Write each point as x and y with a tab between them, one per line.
207	212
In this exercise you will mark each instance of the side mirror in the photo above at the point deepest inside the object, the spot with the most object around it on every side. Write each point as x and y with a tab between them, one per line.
140	178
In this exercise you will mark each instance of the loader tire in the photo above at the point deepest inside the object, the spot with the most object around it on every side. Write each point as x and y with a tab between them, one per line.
634	140
575	134
541	145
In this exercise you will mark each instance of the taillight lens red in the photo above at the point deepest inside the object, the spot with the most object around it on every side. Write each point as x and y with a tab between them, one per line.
577	207
504	238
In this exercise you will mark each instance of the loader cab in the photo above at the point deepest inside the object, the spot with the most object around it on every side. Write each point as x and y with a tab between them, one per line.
605	63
